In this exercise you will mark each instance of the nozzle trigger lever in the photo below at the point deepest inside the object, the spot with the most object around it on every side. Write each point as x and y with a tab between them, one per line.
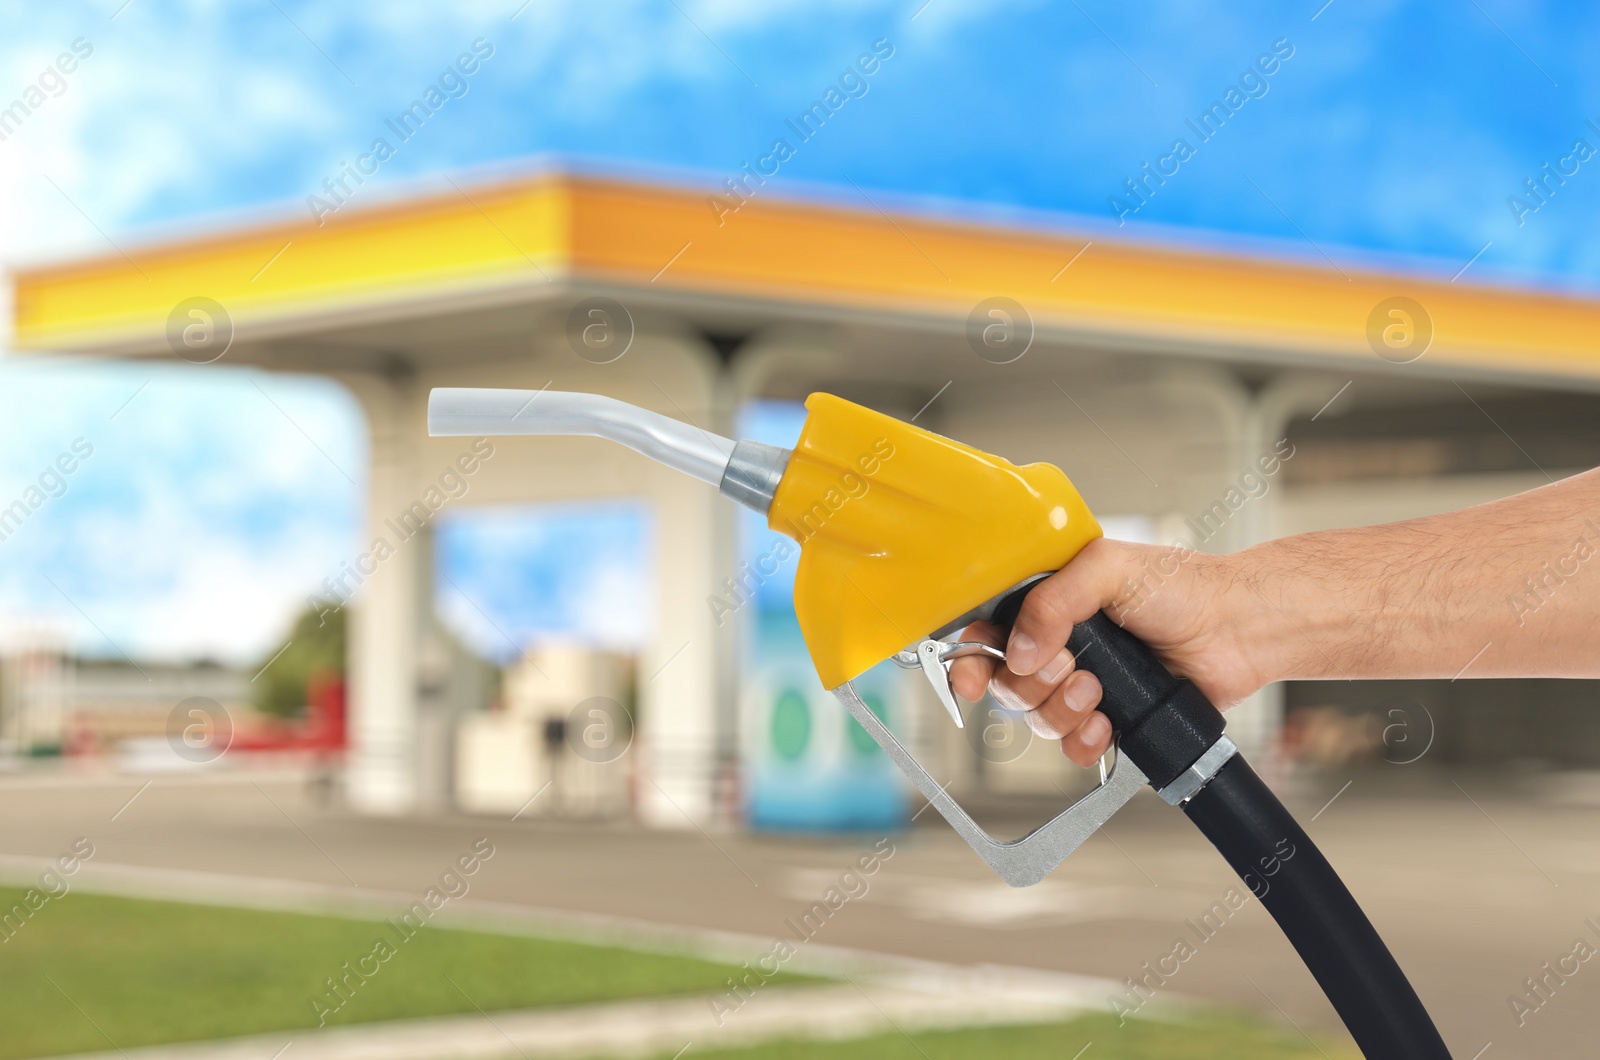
934	658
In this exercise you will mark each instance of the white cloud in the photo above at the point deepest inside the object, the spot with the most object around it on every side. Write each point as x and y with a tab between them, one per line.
202	520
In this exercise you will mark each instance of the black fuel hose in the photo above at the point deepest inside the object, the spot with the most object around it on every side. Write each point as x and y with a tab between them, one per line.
1164	725
1284	869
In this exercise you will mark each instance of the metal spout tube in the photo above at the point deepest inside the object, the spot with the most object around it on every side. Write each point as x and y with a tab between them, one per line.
747	472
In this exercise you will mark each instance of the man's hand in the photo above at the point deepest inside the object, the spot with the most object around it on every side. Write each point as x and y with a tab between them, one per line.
1176	600
1505	589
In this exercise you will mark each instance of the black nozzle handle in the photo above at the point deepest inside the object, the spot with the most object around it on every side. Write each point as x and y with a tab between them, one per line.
1164	726
1164	723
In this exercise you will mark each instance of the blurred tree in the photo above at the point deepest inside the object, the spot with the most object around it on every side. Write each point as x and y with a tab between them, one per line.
315	642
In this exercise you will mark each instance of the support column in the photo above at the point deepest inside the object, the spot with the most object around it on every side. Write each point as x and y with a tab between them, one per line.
382	771
1265	421
1253	421
726	396
677	738
436	711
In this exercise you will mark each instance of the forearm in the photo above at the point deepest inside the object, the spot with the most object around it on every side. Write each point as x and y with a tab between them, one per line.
1506	589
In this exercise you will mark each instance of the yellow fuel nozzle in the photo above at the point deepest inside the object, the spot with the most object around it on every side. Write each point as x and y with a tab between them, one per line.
902	531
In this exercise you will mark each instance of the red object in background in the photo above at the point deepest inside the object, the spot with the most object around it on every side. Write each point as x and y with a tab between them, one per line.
325	720
322	729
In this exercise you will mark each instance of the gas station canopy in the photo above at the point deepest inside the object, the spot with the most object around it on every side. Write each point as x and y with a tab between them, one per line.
470	270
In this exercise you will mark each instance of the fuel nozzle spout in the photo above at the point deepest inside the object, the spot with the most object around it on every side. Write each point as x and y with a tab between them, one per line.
746	472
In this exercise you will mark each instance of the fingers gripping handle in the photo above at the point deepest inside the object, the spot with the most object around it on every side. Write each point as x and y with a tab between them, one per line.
1164	723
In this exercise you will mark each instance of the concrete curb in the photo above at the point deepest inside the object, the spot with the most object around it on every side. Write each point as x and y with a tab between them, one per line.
954	998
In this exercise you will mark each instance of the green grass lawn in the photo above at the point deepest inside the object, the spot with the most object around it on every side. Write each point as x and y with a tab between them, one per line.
1209	1039
151	972
89	972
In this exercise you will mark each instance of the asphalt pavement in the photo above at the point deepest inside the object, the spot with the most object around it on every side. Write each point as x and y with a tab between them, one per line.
1475	883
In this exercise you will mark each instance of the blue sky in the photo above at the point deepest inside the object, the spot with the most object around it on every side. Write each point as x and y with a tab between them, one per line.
511	576
1392	130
